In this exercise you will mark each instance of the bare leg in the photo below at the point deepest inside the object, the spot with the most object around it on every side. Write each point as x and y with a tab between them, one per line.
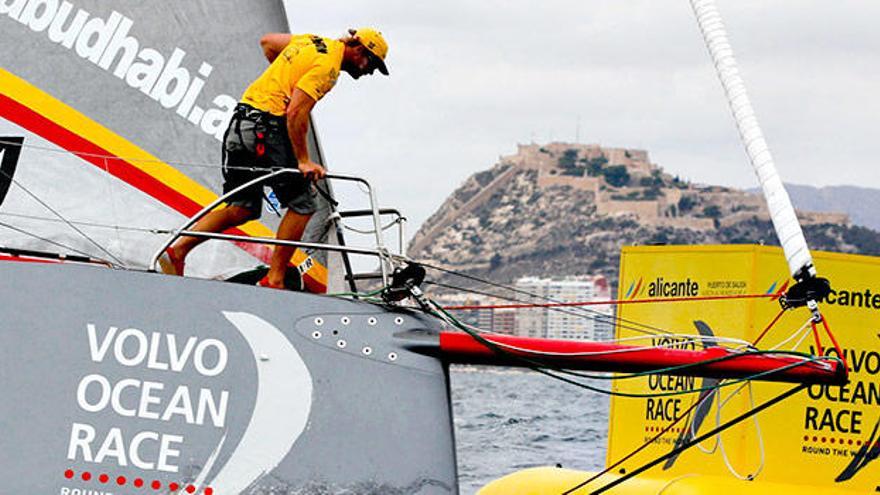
291	229
216	221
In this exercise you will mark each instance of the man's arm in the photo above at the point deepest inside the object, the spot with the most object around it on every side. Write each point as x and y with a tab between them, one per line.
273	44
298	110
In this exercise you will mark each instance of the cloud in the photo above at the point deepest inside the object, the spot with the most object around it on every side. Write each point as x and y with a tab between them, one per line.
471	79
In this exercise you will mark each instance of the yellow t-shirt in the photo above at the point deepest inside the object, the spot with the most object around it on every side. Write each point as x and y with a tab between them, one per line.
309	62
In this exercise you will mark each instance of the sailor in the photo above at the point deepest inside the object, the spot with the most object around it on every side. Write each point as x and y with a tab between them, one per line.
268	131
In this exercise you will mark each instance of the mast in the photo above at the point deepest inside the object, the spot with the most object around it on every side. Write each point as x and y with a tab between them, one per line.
785	222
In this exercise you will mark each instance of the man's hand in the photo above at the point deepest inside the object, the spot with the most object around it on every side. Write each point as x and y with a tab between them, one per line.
298	127
311	170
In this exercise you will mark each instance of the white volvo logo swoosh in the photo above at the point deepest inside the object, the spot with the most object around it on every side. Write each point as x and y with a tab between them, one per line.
281	410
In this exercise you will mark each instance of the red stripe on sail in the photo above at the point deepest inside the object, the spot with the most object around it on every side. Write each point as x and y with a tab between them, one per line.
115	166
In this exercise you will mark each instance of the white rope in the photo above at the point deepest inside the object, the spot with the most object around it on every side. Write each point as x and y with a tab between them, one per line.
678	340
719	442
99	225
760	437
797	332
84	154
49	241
801	340
139	160
669	484
693	430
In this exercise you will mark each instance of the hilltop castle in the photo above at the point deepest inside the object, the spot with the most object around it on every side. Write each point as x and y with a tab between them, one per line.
622	182
658	208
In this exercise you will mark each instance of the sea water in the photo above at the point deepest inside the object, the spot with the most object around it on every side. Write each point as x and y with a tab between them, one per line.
507	420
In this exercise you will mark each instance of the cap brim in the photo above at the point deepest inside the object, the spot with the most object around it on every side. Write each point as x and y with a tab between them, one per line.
380	64
377	62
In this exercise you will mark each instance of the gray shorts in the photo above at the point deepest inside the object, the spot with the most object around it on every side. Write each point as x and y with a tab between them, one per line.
255	144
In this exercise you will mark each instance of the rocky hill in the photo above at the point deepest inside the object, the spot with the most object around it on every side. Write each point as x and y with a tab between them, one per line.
563	209
860	203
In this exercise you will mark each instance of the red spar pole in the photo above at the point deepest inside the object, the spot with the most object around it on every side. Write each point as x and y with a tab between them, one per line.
459	347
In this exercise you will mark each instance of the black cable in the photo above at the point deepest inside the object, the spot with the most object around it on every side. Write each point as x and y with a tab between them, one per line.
596	317
543	368
538	367
589	312
508	298
538	296
690	443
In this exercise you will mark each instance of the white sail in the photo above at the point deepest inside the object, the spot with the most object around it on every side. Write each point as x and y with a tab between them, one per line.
121	107
788	229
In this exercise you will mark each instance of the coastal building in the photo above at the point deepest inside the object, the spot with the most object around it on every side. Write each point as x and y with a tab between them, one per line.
576	322
481	313
504	321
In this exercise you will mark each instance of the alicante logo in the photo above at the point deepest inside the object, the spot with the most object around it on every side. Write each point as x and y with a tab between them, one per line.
777	293
635	289
661	287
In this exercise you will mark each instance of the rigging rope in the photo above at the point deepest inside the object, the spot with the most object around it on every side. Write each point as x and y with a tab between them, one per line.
580	314
688	444
60	216
98	225
587	313
720	440
139	160
705	392
837	349
536	296
58	244
500	347
768	327
794	334
373	232
708	390
641	447
615	302
556	305
113	200
543	368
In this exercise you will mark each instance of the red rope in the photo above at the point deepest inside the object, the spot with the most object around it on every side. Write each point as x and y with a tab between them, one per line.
607	302
834	341
772	323
819	350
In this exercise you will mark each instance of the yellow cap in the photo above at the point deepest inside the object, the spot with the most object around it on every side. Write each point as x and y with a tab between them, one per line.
375	43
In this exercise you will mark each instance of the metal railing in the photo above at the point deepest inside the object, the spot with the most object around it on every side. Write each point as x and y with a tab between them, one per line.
386	259
398	220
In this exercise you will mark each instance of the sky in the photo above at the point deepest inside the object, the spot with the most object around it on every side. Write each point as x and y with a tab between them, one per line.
471	79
